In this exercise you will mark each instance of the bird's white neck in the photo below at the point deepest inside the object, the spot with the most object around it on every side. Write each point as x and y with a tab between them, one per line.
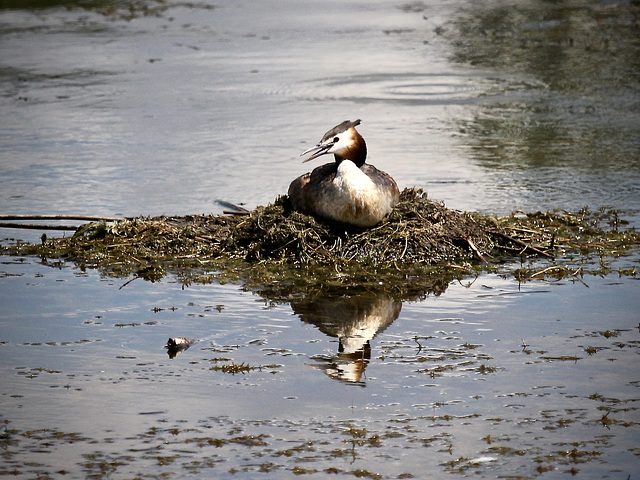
352	178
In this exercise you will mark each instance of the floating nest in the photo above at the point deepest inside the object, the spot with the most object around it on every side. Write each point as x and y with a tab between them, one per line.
419	232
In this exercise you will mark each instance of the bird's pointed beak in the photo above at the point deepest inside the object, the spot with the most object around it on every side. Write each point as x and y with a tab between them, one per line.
318	150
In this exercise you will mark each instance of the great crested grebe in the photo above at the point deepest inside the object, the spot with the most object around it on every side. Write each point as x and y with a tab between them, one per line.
347	190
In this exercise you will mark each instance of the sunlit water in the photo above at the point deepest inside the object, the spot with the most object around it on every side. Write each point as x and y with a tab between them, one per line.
167	112
115	111
490	378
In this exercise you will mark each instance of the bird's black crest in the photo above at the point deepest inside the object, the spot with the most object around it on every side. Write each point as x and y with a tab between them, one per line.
346	125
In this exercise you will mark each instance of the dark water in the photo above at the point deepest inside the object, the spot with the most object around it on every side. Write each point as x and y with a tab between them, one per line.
113	108
487	379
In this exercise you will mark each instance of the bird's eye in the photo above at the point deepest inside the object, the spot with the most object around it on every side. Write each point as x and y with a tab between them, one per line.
335	139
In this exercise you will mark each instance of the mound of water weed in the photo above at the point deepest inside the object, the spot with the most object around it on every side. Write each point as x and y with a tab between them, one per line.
419	232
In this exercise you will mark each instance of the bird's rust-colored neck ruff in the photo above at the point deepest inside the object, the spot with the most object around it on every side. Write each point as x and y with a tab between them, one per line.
356	152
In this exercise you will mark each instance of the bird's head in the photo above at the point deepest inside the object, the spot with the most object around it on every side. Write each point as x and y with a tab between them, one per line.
344	142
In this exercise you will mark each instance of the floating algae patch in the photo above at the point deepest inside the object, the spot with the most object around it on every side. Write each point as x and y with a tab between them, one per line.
420	235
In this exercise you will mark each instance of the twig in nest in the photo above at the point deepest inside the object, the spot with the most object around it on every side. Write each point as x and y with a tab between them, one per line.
522	244
406	244
475	250
233	209
235	212
128	282
525	230
564	270
548	269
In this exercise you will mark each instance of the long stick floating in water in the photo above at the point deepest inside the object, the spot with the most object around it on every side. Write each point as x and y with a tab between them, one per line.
34	226
89	218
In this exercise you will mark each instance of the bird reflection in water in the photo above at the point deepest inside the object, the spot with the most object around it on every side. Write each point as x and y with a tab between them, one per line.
355	319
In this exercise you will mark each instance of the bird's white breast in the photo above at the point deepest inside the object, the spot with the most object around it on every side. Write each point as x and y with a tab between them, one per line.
355	198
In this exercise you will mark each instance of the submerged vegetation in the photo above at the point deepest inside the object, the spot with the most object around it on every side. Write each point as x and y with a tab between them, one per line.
420	237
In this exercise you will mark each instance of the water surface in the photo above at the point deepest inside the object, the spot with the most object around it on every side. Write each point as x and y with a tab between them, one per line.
489	378
114	111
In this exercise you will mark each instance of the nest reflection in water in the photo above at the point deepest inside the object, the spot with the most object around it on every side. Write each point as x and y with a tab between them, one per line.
350	283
